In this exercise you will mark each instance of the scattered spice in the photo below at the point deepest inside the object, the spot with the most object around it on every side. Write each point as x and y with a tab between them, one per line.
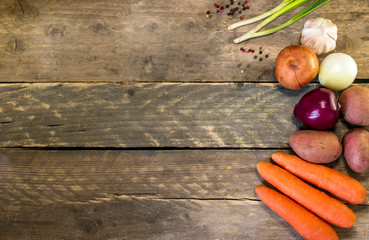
260	52
255	57
260	59
266	56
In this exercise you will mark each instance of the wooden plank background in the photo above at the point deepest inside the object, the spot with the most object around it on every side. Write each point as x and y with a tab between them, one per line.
141	119
142	195
43	41
150	115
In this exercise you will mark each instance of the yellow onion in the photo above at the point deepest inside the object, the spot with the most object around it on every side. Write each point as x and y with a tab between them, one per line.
337	71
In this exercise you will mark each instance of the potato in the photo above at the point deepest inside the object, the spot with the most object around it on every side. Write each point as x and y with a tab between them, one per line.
316	146
356	149
354	103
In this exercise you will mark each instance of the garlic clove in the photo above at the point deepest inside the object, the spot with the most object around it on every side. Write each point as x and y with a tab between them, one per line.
320	35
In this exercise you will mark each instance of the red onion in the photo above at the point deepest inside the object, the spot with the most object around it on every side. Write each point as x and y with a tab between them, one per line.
318	109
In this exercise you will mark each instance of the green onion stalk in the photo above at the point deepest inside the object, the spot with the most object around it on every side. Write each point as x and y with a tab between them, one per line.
260	17
292	5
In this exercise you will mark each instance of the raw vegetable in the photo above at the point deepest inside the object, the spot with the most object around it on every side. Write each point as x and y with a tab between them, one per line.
356	149
320	35
318	109
354	103
338	184
316	146
273	14
329	209
304	222
337	71
296	66
261	16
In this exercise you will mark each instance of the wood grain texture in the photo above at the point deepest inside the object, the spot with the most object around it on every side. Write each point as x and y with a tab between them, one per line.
149	115
143	195
144	218
144	41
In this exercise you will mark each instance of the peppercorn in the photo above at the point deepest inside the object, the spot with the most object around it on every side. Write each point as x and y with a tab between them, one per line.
208	12
266	56
244	8
227	6
260	59
255	57
260	52
241	48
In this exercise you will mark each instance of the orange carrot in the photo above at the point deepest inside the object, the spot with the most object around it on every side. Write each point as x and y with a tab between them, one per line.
303	221
338	184
329	209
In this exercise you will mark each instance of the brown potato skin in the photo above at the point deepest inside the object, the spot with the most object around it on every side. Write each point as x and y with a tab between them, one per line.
356	149
293	61
316	146
354	103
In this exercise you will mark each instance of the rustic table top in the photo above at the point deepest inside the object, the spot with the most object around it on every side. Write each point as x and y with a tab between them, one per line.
142	119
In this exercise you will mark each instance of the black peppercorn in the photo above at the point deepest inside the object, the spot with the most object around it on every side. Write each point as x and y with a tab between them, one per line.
208	12
260	59
266	56
260	52
255	57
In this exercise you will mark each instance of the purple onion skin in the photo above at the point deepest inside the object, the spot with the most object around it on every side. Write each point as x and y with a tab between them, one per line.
318	109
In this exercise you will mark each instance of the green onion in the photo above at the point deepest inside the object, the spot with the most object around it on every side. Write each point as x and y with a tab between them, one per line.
253	32
261	16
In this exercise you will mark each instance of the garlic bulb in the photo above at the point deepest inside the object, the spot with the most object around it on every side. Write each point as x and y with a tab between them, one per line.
320	35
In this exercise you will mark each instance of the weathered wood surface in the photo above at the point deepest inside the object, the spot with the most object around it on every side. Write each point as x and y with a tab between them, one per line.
42	40
93	77
143	195
149	115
